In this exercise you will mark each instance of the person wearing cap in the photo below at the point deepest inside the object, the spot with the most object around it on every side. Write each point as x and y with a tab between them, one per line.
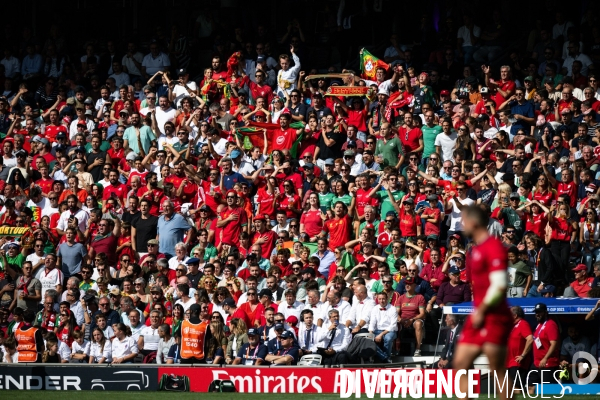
546	346
253	352
454	291
182	87
287	352
519	274
582	283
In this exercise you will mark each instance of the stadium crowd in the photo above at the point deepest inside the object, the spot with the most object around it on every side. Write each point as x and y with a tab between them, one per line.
250	217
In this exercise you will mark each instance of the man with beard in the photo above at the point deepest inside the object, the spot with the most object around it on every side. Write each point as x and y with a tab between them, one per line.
138	137
230	177
330	143
185	189
284	137
488	328
152	193
106	240
143	227
263	237
115	189
96	159
54	127
233	220
74	216
171	229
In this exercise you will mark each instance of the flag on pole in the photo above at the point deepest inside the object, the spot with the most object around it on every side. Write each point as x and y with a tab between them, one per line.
369	64
347	261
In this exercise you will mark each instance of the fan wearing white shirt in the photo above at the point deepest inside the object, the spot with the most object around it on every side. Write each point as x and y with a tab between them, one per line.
335	340
360	313
308	333
313	304
335	302
291	305
80	349
384	324
124	347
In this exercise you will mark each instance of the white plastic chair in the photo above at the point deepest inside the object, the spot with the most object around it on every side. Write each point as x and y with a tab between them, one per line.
310	360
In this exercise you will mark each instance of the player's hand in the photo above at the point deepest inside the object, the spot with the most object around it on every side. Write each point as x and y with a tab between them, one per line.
543	362
477	319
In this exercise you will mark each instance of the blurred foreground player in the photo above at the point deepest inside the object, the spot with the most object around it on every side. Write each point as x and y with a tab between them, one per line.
487	329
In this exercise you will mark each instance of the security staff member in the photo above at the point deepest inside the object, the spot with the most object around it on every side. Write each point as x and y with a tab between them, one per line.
30	343
194	336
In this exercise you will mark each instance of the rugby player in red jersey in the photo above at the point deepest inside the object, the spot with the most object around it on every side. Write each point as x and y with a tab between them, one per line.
488	328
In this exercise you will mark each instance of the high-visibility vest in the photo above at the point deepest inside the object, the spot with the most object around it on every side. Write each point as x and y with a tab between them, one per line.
192	339
27	348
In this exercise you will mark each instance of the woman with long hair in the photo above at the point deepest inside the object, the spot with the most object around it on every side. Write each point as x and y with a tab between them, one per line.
124	347
217	345
341	191
237	338
563	234
277	159
208	283
502	198
178	316
589	237
217	300
290	201
100	348
68	325
311	221
51	355
536	217
335	266
543	191
464	142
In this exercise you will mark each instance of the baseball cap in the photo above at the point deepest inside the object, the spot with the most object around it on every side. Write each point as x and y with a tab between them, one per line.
317	95
152	241
252	332
229	302
193	260
454	270
409	280
349	153
384	92
88	112
181	71
580	267
540	307
260	59
409	201
444	93
308	165
115	291
548	289
80	149
235	153
88	101
329	161
61	135
514	195
287	335
259	217
131	156
432	237
260	114
528	78
155	288
351	143
278	327
432	197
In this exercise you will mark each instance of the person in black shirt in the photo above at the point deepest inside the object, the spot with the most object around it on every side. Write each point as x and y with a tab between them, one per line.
319	107
96	159
132	212
330	142
143	227
296	107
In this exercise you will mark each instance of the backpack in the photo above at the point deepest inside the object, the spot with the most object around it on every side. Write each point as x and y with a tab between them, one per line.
174	383
361	348
219	385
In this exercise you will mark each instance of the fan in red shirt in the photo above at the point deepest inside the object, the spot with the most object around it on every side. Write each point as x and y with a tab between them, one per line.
263	237
362	195
233	220
311	222
339	227
285	137
410	136
546	347
45	182
183	188
488	328
115	188
289	201
566	186
54	127
152	193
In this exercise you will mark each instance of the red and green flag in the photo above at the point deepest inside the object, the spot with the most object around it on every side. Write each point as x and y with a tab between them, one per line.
252	135
369	64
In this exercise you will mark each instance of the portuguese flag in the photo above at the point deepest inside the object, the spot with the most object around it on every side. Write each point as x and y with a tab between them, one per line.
252	135
369	64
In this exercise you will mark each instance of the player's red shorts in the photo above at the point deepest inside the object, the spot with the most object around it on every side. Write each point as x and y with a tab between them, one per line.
495	330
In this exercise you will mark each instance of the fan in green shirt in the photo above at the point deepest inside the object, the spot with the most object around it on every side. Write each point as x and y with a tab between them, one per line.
389	148
430	132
